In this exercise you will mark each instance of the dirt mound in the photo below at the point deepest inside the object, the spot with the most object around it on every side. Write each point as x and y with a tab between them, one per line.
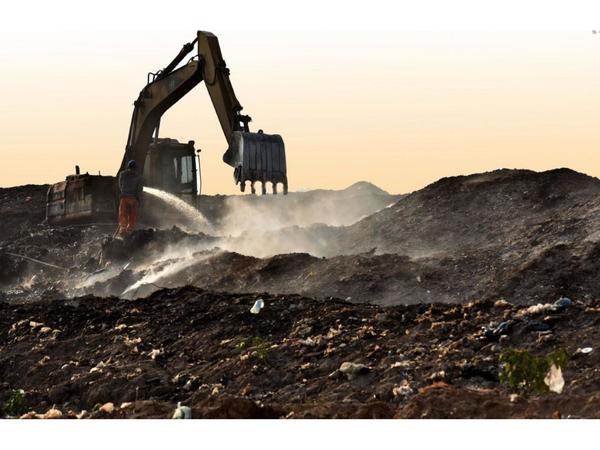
387	279
22	209
489	210
297	358
517	234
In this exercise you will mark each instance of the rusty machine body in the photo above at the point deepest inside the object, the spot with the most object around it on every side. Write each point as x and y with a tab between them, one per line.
166	163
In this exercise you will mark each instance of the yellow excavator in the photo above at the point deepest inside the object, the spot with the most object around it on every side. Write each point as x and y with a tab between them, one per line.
168	164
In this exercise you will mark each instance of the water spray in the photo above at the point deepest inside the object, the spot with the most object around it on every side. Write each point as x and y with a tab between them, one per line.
187	210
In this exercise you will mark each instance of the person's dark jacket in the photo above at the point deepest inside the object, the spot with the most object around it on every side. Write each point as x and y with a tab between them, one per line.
130	184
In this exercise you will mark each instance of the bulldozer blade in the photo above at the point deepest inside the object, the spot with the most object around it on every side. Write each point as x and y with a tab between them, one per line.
257	157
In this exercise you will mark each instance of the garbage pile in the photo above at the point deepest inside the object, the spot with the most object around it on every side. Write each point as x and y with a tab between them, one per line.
186	351
476	296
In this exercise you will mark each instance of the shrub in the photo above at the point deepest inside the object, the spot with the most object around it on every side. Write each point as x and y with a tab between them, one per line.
15	404
257	348
522	371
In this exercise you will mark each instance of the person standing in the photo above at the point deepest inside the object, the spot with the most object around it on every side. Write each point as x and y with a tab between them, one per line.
131	185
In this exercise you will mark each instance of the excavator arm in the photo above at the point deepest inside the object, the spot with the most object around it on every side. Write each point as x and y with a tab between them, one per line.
255	157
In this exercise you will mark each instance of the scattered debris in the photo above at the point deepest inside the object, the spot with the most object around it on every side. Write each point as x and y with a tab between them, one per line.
502	304
554	379
107	408
536	309
52	413
352	370
562	304
258	305
438	376
310	341
433	387
494	333
402	390
182	412
534	325
154	353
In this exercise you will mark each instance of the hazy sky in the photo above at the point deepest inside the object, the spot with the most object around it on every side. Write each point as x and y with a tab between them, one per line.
400	109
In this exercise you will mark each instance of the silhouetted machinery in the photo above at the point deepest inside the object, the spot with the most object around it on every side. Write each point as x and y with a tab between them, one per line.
168	164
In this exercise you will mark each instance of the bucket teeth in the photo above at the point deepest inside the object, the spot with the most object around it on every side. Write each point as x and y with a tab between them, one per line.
258	157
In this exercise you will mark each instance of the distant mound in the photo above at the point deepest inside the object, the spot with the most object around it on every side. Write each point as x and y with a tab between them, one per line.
366	187
482	210
236	214
22	208
518	233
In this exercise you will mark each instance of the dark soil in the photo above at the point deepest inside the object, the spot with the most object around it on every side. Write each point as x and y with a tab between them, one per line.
207	351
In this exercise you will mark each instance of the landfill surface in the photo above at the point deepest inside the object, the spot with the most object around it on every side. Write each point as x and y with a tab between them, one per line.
349	304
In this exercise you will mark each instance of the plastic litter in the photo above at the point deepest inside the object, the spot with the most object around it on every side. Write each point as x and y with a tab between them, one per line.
554	379
258	305
498	330
108	408
536	309
154	353
52	413
182	412
585	350
352	370
562	304
534	325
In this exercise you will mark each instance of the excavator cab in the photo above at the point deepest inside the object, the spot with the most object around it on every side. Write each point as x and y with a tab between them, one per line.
171	166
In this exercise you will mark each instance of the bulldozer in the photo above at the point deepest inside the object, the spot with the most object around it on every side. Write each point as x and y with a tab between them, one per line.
168	164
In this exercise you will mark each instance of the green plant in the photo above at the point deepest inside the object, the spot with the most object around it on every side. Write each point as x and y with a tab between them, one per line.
257	348
15	404
525	372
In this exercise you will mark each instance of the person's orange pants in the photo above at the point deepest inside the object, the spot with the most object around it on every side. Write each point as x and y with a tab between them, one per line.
127	214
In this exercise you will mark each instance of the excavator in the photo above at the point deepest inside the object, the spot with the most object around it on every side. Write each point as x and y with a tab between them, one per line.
168	164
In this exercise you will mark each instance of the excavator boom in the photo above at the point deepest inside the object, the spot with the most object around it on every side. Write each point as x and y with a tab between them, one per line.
255	157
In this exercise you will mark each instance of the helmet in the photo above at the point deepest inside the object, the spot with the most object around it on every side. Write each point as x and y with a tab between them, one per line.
131	164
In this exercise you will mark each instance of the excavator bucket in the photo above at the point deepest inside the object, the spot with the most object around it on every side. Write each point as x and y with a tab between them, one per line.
257	157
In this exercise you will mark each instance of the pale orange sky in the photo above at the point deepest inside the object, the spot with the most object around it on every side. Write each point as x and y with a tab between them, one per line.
400	109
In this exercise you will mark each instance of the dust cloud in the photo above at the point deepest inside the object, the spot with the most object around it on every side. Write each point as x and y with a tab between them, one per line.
307	222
